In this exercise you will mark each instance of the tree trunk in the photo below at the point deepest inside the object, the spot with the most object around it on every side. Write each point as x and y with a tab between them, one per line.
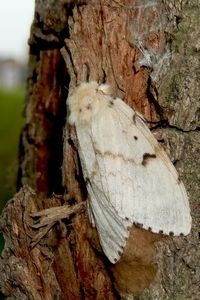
148	51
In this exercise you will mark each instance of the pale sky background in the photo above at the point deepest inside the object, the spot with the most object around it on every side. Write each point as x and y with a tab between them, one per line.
16	17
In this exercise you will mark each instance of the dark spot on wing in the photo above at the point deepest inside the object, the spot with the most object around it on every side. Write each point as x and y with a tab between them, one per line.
181	234
149	228
147	157
139	225
161	231
111	103
135	138
171	233
134	118
89	106
120	253
115	259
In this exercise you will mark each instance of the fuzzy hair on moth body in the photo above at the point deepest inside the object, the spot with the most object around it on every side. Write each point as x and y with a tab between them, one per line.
130	178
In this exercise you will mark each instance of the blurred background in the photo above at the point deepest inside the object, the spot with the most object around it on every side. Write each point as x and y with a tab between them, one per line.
15	22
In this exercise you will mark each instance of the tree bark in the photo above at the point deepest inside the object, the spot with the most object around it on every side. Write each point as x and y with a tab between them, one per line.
148	51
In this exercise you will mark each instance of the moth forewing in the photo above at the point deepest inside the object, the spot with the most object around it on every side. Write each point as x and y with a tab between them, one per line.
130	178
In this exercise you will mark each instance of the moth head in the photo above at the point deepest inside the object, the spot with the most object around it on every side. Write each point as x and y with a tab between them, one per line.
85	101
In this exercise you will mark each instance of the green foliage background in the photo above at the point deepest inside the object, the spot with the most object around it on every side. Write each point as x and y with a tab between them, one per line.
11	122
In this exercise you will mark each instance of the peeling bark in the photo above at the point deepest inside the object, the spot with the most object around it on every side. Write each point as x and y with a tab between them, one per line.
74	41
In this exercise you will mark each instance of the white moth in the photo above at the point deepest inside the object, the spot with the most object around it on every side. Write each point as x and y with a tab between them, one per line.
129	177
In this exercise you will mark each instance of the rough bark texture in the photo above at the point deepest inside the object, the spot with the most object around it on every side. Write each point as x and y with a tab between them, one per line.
101	40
